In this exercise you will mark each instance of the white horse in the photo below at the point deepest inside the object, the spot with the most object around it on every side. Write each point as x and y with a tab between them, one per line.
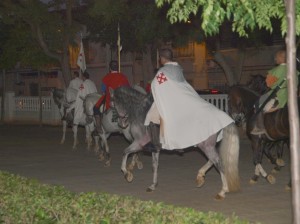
109	126
64	100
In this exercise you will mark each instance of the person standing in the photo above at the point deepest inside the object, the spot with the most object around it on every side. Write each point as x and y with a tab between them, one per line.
111	80
175	103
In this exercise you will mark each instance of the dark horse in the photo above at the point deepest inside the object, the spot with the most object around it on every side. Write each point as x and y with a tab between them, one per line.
132	107
241	107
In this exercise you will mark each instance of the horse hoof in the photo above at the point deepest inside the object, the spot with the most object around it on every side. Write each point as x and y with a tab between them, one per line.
219	197
280	162
149	190
275	170
252	181
129	177
140	165
288	187
271	179
101	157
200	181
107	163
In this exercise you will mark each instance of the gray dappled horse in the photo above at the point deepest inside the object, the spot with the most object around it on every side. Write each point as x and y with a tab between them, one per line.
132	108
109	126
64	100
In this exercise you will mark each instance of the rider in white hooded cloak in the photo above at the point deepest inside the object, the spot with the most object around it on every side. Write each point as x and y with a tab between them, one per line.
185	118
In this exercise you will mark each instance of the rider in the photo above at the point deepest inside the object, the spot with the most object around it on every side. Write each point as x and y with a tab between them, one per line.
175	103
111	80
87	87
76	82
275	78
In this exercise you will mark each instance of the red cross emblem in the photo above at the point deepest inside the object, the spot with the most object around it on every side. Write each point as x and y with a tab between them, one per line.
161	78
81	87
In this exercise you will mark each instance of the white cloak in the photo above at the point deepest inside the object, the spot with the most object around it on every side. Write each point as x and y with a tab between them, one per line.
185	118
87	87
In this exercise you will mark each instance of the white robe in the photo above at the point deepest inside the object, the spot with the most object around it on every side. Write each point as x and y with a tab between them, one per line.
185	118
87	87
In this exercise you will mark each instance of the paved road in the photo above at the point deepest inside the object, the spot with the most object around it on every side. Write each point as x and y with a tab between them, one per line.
35	152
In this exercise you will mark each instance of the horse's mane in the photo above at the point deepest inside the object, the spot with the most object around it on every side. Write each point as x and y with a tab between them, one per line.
245	88
135	103
58	96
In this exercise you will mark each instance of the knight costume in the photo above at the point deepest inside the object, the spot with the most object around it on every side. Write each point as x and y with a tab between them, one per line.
185	118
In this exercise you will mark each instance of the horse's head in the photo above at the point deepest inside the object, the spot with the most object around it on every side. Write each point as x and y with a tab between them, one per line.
258	84
235	106
130	105
58	96
121	113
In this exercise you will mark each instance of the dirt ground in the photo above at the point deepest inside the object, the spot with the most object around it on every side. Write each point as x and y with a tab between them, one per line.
36	152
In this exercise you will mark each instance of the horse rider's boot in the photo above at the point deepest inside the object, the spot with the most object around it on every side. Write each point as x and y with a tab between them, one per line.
154	144
259	127
98	123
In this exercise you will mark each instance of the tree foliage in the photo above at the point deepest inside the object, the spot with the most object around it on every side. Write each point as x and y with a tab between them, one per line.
39	33
141	24
245	15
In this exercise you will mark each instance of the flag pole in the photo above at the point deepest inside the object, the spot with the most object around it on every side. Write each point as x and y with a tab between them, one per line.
119	48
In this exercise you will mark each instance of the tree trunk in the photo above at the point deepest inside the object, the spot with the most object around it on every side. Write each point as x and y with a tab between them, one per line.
229	73
293	109
147	65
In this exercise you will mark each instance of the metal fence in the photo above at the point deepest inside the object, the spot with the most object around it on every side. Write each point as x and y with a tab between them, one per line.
27	110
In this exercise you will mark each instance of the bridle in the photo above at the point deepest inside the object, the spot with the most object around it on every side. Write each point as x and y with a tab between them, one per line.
122	119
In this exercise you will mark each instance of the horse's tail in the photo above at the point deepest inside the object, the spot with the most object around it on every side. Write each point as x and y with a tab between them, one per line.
229	153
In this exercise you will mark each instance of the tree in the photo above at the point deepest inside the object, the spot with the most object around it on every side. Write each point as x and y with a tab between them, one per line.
39	33
246	16
143	26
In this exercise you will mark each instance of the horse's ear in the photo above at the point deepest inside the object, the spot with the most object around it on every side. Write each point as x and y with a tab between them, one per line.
111	92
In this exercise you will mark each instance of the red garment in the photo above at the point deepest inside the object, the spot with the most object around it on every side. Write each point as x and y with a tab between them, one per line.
148	87
112	80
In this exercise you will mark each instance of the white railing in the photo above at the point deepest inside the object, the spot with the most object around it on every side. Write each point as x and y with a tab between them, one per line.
32	103
27	109
219	100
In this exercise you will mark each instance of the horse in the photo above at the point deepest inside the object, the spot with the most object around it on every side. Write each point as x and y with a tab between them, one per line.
63	101
109	126
241	102
132	107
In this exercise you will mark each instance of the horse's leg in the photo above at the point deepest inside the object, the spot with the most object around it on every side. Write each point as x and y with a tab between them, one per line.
88	136
280	162
209	148
201	173
138	161
75	130
257	148
267	147
64	122
155	163
133	148
104	154
135	161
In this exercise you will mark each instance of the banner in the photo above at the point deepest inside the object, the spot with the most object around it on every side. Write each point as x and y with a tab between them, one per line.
81	58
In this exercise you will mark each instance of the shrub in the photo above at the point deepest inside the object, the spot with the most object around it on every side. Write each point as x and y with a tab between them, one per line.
27	201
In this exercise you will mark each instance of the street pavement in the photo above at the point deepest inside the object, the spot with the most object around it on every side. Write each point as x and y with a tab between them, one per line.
36	152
